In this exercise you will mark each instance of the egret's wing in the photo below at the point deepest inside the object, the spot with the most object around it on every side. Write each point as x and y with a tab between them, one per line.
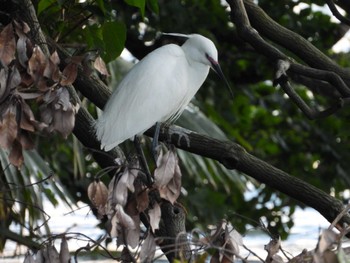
154	90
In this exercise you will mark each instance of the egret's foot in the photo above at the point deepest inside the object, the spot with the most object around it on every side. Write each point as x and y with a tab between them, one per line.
181	133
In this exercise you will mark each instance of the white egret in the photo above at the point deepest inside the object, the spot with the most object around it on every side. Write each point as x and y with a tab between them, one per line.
157	89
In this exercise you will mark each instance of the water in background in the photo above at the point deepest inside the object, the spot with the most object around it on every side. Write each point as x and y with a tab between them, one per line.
304	234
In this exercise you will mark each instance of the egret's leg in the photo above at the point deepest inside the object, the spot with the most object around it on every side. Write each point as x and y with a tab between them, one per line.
142	159
155	143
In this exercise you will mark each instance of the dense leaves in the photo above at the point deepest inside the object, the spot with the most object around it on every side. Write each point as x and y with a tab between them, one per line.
34	77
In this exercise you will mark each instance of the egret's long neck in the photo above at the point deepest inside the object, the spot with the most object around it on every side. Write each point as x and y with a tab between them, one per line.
198	71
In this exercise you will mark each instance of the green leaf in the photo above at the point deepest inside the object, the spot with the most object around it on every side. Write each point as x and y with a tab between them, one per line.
114	36
45	4
138	3
101	5
153	5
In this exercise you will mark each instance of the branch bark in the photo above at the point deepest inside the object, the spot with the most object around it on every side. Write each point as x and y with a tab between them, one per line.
234	156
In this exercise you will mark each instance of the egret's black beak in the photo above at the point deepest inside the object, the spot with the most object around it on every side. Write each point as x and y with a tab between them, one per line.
216	67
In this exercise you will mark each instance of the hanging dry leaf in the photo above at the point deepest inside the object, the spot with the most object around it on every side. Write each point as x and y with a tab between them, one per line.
132	235
4	89
228	253
25	140
142	200
9	79
123	218
21	29
14	78
69	74
272	248
126	257
100	66
154	216
51	70
148	248
112	226
8	128
165	168
98	194
7	45
234	238
326	240
28	121
64	255
29	259
51	255
36	67
57	112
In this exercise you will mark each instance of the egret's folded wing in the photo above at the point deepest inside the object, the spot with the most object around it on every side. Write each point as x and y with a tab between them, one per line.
152	91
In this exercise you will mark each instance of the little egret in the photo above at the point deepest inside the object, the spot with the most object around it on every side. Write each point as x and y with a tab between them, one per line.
157	89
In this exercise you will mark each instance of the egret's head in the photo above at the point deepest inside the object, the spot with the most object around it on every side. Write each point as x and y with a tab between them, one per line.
204	51
201	49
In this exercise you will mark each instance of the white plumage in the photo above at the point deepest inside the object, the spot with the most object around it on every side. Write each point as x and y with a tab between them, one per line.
156	89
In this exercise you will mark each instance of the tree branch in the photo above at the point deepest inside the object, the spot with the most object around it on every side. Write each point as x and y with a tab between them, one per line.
325	69
234	156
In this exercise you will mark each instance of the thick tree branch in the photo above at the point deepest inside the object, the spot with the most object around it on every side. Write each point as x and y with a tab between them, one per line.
234	156
325	69
290	40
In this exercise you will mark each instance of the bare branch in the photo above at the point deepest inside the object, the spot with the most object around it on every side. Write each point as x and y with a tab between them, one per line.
336	12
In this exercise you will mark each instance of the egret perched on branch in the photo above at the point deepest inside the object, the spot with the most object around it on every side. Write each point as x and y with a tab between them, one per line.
157	89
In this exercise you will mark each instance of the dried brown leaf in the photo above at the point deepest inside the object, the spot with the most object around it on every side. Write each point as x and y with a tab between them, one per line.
228	253
133	234
51	70
7	45
22	48
165	169
64	251
123	218
51	255
273	246
154	216
112	226
4	88
148	249
27	118
121	190
126	257
142	200
8	128
100	66
112	195
98	194
327	239
36	66
69	74
57	112
16	155
21	27
14	78
172	191
25	140
63	122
